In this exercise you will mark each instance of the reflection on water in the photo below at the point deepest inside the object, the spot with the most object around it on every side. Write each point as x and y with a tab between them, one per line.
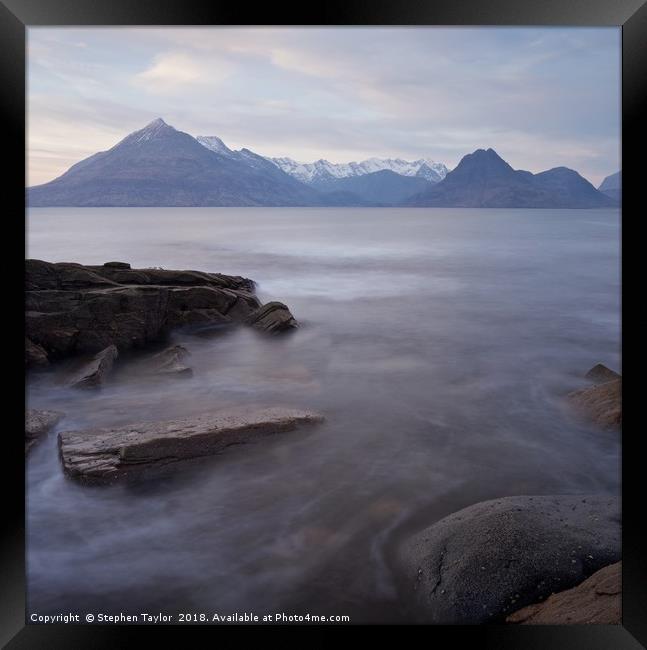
438	343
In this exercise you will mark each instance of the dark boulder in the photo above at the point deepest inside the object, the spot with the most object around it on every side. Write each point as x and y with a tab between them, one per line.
482	563
600	373
117	265
273	318
93	373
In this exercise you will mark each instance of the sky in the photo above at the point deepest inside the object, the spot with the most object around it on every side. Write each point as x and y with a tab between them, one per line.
541	97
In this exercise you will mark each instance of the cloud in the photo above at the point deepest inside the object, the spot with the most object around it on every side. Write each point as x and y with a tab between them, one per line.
172	72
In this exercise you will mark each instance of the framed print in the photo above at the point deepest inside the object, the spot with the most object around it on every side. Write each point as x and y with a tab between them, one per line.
324	322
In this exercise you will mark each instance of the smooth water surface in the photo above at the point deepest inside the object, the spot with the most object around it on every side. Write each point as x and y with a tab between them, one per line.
438	343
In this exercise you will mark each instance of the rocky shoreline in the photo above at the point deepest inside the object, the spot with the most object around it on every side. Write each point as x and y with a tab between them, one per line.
72	309
495	561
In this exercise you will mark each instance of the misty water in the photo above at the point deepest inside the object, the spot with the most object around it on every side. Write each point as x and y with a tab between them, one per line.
438	343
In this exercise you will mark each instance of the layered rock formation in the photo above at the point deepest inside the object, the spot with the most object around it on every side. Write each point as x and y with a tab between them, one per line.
74	309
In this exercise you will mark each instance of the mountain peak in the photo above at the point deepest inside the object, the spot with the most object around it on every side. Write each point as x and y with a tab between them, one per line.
158	127
214	143
484	159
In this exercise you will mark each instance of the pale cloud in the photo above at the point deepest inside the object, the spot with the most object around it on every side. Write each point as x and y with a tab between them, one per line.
171	72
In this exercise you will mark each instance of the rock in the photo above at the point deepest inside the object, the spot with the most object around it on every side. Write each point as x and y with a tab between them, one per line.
74	309
602	403
169	362
117	265
35	355
600	373
94	372
597	600
485	561
273	317
38	423
99	455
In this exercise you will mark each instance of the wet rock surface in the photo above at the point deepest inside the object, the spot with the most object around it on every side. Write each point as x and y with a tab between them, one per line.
94	372
35	355
600	373
169	362
273	318
74	309
481	563
101	455
602	403
38	424
597	600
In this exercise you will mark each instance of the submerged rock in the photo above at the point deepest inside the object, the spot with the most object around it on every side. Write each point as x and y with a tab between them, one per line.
273	317
38	423
169	362
94	372
482	563
602	403
597	600
99	455
74	309
601	373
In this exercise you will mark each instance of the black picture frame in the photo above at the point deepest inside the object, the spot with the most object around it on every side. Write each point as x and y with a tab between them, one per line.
17	15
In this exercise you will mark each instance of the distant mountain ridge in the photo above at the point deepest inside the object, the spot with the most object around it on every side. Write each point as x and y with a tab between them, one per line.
323	171
484	180
161	166
612	186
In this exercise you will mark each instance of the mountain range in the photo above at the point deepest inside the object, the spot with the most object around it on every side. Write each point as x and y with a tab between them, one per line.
323	171
484	180
161	166
612	186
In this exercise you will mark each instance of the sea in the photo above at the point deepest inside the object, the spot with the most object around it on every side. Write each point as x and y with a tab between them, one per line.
439	344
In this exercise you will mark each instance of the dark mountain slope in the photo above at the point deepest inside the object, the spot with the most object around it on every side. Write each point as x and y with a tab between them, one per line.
160	166
484	180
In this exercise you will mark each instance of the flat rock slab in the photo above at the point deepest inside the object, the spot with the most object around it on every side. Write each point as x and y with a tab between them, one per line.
598	600
100	455
601	404
38	423
482	563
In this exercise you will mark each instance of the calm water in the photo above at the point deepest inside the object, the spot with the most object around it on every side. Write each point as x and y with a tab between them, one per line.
438	343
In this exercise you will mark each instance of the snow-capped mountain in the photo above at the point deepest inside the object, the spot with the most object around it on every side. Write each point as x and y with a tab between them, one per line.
322	170
214	144
161	166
